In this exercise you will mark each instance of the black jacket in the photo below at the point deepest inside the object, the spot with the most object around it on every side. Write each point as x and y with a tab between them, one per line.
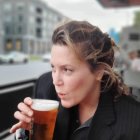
113	120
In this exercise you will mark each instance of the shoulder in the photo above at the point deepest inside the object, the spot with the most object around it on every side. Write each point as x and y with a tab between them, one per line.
44	87
127	102
44	81
128	108
46	76
127	118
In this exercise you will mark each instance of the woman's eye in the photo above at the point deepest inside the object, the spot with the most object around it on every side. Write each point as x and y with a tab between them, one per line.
68	70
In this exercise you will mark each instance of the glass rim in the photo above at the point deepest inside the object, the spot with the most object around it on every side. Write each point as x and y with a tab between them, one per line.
44	104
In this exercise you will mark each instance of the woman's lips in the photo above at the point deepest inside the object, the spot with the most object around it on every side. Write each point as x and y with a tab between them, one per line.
61	95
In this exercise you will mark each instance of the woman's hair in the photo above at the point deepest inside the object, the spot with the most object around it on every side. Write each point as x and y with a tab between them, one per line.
94	47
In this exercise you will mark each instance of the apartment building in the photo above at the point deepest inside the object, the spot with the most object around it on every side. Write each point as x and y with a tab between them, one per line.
27	26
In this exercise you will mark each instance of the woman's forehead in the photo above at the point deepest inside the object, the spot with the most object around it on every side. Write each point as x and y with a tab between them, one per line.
63	49
64	54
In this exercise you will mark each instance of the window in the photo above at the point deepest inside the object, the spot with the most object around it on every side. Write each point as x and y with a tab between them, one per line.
19	30
39	10
8	44
39	20
134	36
20	18
7	29
18	44
39	32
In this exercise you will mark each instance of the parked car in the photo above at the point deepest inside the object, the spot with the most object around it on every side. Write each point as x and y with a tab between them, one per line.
46	57
14	57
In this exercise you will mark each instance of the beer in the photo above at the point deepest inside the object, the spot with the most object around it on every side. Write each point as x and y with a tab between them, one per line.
45	112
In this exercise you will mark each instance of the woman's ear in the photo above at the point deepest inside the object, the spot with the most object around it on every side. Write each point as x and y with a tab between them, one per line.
100	73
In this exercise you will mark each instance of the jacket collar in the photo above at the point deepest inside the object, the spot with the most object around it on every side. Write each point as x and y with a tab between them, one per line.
103	118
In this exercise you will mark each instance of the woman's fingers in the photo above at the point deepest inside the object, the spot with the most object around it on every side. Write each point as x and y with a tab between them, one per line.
15	127
18	125
28	101
25	109
22	117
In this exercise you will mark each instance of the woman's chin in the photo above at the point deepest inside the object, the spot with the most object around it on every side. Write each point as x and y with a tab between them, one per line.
66	104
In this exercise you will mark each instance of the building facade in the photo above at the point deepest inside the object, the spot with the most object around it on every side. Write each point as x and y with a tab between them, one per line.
130	38
27	26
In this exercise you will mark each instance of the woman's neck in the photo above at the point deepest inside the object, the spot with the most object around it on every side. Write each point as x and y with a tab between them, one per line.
88	107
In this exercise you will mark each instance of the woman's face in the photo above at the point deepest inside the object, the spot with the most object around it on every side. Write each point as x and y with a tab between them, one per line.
73	80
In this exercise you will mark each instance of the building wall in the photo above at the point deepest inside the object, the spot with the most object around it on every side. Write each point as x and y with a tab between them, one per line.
1	35
27	25
130	38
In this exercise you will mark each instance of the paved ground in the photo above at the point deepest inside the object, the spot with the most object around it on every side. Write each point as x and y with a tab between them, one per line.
10	74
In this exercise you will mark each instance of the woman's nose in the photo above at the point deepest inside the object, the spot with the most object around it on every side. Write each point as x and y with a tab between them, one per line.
57	79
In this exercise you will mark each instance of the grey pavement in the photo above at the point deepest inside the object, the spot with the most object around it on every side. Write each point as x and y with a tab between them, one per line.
22	72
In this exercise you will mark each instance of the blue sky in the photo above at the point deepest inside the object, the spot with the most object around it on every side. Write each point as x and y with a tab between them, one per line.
92	11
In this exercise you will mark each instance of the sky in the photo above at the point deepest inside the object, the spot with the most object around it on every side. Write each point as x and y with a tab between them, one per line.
93	12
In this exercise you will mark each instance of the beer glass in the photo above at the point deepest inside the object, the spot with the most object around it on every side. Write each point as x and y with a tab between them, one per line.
45	112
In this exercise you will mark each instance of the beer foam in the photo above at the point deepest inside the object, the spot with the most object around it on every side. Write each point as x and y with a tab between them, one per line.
44	105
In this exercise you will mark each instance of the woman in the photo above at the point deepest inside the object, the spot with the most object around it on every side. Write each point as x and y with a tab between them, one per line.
94	102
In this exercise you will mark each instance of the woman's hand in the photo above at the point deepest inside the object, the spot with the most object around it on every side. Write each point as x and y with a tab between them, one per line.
24	115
